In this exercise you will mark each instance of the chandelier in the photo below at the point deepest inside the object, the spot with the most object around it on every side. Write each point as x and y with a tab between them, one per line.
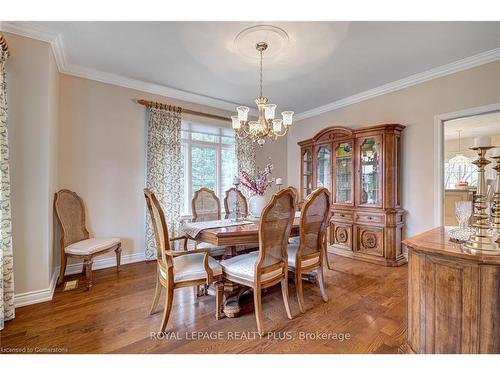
267	126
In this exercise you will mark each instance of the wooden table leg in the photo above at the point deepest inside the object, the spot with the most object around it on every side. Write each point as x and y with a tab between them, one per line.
229	252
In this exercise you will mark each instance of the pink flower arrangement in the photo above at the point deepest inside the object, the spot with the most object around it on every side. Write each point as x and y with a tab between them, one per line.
257	184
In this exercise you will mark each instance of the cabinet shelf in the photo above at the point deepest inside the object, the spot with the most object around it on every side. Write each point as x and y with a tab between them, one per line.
364	200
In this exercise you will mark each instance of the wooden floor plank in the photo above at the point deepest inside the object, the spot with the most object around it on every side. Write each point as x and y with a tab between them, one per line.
367	302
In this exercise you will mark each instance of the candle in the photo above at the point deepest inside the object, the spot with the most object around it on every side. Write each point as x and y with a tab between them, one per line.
236	180
495	153
279	181
482	141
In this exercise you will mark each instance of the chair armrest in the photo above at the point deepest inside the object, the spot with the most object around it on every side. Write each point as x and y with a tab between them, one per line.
208	270
187	252
180	238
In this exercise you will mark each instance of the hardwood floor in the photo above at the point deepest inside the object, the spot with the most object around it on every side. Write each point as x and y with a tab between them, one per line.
367	301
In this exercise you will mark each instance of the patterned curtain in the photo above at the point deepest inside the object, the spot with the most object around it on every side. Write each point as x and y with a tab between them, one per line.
6	258
164	167
246	154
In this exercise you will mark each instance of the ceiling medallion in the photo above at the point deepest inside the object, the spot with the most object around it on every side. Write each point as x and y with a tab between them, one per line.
267	126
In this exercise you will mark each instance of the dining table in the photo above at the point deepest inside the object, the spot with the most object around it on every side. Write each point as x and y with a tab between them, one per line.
233	236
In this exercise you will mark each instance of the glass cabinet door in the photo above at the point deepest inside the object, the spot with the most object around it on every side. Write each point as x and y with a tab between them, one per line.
370	171
306	172
343	173
324	167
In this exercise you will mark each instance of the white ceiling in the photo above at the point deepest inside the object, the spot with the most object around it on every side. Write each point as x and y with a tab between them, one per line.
473	126
323	62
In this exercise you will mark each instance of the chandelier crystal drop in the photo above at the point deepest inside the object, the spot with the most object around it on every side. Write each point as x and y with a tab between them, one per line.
267	126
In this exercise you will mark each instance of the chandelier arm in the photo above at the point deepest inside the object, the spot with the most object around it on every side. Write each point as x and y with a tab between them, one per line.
282	133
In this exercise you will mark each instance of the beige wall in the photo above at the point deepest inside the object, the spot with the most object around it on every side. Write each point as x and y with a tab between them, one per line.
32	89
102	155
414	107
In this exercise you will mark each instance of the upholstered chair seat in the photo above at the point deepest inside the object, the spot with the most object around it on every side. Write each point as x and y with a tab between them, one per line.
91	246
292	255
243	267
190	267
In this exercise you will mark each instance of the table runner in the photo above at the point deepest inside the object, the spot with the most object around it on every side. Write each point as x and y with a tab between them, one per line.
192	229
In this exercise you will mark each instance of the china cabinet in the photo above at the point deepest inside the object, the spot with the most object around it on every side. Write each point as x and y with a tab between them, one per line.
361	168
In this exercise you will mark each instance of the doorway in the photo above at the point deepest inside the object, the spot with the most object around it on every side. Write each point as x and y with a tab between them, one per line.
455	175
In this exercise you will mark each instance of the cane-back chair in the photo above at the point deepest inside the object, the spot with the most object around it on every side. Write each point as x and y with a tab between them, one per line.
308	255
179	269
75	238
205	206
232	196
268	266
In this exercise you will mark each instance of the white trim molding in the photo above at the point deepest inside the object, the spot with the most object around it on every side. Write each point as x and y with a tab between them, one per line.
37	296
439	152
34	31
415	79
44	295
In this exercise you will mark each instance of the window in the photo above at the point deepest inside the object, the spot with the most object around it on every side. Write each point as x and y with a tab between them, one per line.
208	159
454	173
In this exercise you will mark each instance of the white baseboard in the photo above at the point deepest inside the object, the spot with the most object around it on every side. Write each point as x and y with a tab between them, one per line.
37	296
43	295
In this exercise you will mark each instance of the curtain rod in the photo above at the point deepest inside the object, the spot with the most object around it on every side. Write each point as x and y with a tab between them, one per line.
169	107
3	45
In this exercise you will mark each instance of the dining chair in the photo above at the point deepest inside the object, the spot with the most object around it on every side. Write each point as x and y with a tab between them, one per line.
179	269
267	266
75	239
308	255
205	206
229	205
230	202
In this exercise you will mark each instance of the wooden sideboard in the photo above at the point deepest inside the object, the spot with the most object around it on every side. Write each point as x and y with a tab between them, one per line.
453	297
362	169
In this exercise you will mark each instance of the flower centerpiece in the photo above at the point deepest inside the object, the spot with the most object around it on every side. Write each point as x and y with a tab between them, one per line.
258	185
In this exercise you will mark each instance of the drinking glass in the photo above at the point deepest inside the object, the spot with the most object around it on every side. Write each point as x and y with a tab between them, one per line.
463	212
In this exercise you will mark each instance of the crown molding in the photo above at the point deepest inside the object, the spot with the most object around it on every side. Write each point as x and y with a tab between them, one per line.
33	31
30	30
440	71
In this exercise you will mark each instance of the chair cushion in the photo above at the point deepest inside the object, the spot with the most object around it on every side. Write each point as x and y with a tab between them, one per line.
292	252
190	267
91	246
243	267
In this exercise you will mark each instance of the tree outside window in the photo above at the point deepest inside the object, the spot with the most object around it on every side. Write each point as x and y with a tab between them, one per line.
209	160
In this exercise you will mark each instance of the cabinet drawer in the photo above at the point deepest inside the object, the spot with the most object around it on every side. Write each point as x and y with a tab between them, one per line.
369	240
342	216
368	217
341	235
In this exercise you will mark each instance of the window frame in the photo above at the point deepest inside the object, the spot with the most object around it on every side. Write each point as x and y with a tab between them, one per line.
187	142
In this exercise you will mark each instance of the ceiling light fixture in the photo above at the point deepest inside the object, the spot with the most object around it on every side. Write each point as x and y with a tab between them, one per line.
267	126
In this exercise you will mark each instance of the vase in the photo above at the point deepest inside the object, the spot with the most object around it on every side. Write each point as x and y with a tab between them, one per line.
256	205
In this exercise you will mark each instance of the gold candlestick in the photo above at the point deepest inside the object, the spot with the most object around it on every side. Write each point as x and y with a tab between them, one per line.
482	239
495	217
